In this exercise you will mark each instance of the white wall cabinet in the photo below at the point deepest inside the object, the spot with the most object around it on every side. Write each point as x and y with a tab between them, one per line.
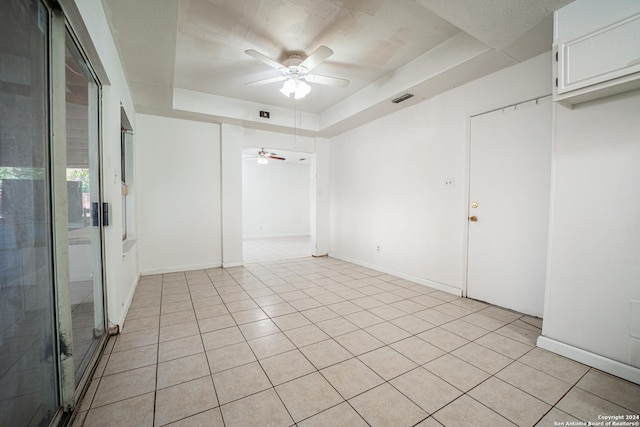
599	63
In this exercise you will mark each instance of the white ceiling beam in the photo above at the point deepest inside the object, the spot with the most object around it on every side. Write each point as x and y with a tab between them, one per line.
236	110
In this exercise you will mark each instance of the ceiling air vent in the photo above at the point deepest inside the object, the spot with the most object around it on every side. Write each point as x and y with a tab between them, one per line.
402	98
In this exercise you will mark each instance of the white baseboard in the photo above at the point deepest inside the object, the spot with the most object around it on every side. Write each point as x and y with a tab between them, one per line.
275	236
128	301
125	308
602	363
232	264
178	268
419	280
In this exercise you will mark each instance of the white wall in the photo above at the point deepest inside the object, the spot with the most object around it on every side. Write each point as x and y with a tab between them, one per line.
179	201
594	255
275	199
122	269
387	179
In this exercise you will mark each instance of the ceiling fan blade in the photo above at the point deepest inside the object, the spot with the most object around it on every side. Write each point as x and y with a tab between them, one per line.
266	81
326	80
316	58
263	58
277	158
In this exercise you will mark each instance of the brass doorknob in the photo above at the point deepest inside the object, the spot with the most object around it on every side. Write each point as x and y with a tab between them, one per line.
473	218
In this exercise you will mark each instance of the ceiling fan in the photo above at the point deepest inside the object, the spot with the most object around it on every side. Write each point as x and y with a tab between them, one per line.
264	156
296	72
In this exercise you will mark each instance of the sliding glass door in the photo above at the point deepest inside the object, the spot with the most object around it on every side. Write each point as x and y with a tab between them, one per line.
28	345
52	310
84	208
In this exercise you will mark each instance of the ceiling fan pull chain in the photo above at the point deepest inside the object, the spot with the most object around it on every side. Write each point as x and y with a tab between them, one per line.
295	124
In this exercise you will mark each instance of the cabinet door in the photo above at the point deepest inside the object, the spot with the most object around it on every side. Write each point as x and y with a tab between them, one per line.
600	56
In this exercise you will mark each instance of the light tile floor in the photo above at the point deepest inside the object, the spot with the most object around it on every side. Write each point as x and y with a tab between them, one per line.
321	342
275	248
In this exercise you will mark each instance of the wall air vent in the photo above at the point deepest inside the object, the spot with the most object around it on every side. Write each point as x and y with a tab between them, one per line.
402	98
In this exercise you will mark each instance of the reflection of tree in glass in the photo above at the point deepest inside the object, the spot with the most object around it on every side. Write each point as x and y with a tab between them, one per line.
21	173
73	174
38	174
81	175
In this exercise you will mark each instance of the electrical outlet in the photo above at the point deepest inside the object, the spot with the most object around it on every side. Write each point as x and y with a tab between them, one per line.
449	182
378	248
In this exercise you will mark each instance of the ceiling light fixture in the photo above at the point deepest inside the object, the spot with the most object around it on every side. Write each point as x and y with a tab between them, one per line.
262	158
296	87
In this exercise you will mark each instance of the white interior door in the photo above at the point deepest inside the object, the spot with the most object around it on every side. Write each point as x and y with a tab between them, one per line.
510	168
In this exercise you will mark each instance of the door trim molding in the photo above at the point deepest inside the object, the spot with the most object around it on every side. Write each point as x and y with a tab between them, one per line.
60	210
464	279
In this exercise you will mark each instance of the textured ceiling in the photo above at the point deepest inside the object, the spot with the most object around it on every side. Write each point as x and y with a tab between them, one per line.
497	23
370	39
199	45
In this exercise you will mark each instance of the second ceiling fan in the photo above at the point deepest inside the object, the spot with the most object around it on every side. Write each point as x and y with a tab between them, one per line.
296	72
264	156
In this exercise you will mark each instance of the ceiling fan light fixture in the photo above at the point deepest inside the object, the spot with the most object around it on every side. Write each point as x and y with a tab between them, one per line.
296	87
263	157
288	87
302	89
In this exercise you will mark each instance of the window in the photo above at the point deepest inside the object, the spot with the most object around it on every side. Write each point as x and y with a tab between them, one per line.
127	178
123	178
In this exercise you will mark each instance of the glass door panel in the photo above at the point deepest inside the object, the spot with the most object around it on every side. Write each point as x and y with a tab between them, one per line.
28	352
84	209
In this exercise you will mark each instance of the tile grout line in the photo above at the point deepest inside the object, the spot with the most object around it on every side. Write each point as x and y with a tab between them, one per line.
205	354
522	318
303	355
155	391
257	360
205	350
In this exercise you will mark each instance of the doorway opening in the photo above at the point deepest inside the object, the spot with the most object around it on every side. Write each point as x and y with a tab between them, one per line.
276	200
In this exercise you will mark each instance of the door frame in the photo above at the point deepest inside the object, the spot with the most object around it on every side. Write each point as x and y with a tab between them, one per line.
69	392
464	275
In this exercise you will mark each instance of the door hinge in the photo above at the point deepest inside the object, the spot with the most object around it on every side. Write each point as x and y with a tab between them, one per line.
556	56
556	82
